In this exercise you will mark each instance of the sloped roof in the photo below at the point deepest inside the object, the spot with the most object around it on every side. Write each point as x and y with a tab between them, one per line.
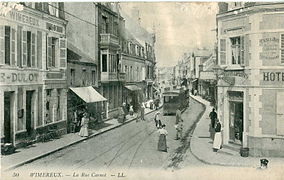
84	57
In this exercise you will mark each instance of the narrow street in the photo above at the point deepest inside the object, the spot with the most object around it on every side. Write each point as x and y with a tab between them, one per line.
133	145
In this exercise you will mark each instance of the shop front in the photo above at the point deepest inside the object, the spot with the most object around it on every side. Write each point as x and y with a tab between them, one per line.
134	96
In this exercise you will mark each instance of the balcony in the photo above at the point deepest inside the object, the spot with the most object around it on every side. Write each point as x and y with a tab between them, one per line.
112	76
109	40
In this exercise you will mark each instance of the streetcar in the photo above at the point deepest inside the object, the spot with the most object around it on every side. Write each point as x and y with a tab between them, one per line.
173	99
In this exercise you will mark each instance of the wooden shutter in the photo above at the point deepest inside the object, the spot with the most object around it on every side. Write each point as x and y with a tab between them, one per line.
282	48
33	49
13	47
19	46
63	52
24	49
280	113
49	51
242	46
222	51
39	49
2	44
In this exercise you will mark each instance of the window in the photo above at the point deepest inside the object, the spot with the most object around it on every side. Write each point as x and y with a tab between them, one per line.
282	48
237	50
93	77
52	51
104	63
7	45
104	29
84	79
59	105
72	75
53	8
222	51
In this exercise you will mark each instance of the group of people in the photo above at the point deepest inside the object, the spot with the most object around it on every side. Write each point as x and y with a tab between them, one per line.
216	126
81	123
162	143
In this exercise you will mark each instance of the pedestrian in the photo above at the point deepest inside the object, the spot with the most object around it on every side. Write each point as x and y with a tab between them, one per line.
79	119
127	107
217	143
142	111
213	117
179	129
162	144
131	111
178	115
157	119
84	126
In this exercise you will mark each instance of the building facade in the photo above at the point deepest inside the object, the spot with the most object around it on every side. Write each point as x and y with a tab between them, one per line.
111	79
250	83
33	82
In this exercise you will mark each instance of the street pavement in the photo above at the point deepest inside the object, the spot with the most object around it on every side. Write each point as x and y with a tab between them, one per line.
133	145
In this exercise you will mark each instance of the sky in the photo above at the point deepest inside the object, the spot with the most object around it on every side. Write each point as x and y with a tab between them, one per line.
180	26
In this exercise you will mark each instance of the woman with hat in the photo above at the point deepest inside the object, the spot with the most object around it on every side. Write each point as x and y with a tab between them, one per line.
84	126
162	144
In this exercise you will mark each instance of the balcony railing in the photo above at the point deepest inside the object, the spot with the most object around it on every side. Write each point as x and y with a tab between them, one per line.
112	76
109	39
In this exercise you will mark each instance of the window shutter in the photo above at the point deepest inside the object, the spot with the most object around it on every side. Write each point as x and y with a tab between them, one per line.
33	49
13	47
24	49
242	50
49	51
63	52
222	51
19	46
280	113
282	48
39	49
2	44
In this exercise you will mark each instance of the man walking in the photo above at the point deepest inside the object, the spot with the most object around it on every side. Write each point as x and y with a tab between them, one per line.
143	111
213	117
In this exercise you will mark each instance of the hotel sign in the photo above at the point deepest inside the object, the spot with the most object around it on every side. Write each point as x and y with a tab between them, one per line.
272	77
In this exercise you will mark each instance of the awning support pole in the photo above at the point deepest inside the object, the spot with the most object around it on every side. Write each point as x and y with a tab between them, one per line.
107	110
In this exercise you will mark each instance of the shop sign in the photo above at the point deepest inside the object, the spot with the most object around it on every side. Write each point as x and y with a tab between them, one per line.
270	48
230	76
22	77
53	27
273	76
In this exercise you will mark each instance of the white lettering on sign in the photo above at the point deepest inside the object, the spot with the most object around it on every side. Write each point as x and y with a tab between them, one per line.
18	77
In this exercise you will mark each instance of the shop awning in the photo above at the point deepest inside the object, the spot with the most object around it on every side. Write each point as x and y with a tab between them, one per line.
88	94
133	88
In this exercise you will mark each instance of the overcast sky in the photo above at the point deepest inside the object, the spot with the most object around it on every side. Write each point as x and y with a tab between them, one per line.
180	26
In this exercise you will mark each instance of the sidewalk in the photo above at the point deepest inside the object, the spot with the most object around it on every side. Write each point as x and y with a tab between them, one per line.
39	150
201	146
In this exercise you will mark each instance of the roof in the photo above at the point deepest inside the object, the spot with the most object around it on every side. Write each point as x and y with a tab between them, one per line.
88	94
83	57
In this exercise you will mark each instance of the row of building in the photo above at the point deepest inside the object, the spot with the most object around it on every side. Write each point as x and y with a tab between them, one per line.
56	58
244	77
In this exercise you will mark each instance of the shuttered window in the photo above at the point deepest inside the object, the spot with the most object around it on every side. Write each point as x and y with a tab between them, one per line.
282	48
2	44
222	51
39	49
13	47
63	52
7	45
280	113
33	50
19	46
24	48
49	51
242	47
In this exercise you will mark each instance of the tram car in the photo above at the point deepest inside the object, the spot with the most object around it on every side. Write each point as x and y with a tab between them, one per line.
174	99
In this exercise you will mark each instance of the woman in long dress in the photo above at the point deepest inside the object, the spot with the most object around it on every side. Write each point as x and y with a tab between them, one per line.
162	144
84	126
218	137
157	119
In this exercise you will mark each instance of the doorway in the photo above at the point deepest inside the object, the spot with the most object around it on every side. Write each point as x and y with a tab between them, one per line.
8	117
29	111
236	122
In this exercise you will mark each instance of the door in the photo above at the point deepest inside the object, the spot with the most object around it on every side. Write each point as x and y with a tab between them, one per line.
236	122
29	111
7	118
